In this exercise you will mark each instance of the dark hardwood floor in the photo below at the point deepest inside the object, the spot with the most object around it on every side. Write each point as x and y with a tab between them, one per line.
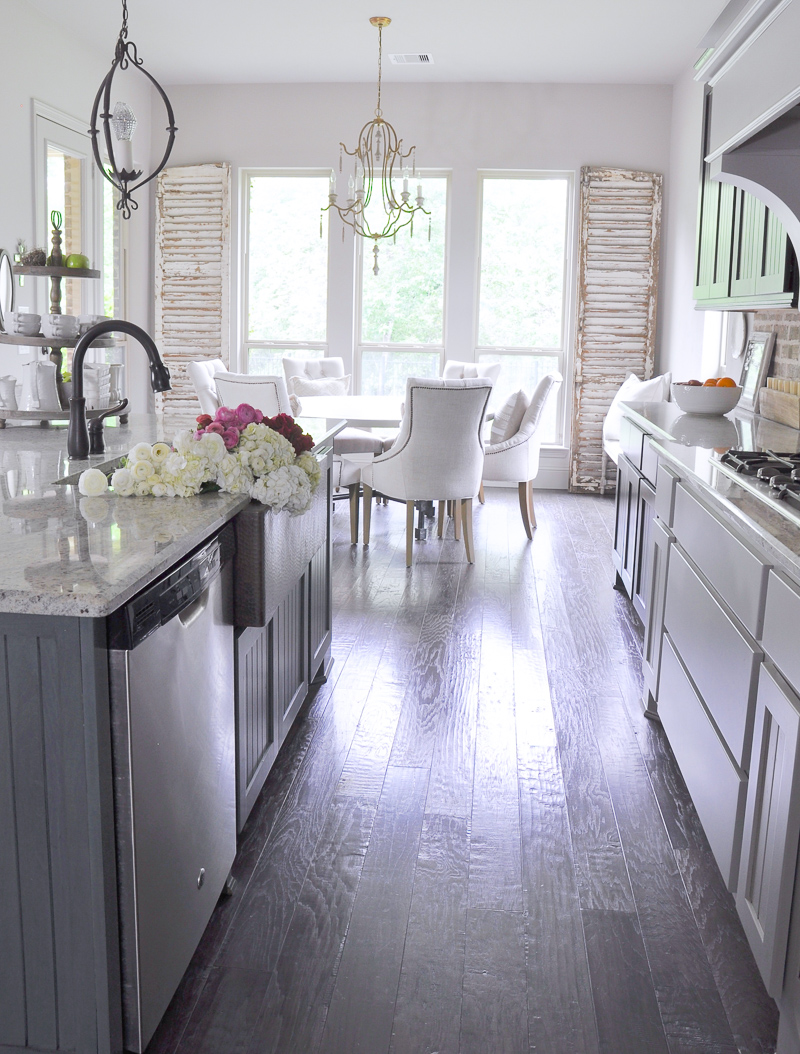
473	841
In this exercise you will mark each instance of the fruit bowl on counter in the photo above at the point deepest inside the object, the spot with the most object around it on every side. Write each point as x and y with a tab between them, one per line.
711	398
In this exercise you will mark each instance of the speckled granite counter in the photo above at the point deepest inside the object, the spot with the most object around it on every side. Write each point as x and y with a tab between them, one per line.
692	442
67	555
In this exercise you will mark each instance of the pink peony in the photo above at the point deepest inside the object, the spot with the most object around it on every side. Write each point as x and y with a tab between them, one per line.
215	426
246	414
259	417
226	416
231	438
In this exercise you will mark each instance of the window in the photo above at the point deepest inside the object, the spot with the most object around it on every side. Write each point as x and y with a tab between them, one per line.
522	300
286	269
402	307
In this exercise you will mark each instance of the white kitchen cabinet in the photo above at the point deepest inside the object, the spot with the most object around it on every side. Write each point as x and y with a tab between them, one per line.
640	571
661	539
716	784
782	626
771	827
721	658
625	522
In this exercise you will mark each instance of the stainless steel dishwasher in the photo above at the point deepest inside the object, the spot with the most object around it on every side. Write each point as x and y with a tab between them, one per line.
172	688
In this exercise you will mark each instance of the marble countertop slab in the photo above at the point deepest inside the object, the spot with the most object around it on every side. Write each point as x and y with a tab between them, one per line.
62	554
692	442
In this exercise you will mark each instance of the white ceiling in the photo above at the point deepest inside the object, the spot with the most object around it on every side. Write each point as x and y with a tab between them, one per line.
244	41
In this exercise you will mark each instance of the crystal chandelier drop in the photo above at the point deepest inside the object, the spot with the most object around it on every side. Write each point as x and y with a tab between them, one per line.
118	126
378	160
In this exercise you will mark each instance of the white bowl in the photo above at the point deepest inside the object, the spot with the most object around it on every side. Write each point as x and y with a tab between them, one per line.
65	326
699	399
22	322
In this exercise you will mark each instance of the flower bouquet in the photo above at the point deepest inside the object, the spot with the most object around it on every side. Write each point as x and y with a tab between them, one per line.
237	451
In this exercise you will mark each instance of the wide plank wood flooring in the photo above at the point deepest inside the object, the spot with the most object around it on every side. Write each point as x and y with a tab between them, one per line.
473	842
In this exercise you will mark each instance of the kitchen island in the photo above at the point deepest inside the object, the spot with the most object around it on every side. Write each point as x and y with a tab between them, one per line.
714	562
68	563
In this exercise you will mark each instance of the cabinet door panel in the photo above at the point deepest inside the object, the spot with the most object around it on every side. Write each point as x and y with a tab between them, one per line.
645	515
716	786
781	619
721	661
772	819
661	541
748	240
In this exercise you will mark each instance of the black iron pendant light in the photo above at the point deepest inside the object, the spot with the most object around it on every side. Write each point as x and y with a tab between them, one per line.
118	126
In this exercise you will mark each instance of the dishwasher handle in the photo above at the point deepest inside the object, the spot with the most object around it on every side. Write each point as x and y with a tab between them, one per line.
192	613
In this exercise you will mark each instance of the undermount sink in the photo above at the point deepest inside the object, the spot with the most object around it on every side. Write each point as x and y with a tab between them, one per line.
105	466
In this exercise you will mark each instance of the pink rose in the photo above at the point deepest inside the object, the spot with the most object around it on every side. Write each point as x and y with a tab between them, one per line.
258	419
226	416
246	414
230	437
215	426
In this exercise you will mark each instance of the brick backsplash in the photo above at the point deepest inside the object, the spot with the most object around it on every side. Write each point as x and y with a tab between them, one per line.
786	357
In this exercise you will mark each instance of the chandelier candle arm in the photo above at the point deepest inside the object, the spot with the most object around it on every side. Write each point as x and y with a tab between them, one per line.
377	154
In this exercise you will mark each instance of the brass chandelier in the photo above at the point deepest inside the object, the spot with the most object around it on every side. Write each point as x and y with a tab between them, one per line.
377	156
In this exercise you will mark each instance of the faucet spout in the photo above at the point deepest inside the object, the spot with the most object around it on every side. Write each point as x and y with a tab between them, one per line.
78	433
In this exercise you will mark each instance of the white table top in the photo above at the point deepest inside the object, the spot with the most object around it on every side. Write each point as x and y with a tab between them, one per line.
365	411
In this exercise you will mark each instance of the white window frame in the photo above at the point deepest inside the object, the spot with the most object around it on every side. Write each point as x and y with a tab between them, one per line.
364	254
70	133
564	353
301	348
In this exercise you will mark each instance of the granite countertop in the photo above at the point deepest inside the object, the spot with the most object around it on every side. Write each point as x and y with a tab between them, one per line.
63	554
693	442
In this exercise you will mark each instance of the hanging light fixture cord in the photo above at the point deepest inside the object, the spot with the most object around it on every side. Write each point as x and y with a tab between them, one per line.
378	111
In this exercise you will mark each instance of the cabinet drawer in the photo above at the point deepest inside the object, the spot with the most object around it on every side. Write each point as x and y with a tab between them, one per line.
781	623
721	661
632	439
666	481
734	570
717	788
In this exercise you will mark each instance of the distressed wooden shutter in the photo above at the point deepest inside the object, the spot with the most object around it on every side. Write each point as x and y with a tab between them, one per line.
192	275
617	280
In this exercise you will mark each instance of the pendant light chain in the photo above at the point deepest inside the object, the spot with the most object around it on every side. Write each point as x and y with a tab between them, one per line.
378	111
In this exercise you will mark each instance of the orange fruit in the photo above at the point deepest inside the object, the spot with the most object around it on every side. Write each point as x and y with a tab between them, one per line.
710	383
726	382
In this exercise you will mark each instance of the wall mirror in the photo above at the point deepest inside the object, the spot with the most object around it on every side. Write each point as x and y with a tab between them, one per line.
6	287
756	367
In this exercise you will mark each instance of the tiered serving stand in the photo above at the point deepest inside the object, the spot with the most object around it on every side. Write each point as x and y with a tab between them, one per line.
55	274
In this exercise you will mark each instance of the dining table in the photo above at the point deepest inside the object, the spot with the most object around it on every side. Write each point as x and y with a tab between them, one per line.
360	411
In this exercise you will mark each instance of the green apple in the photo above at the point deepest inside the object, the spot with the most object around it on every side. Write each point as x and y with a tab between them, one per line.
77	260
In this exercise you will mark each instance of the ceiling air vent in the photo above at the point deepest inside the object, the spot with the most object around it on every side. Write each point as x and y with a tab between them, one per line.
412	60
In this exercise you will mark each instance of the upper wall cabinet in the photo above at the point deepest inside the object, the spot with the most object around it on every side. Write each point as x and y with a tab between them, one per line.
744	257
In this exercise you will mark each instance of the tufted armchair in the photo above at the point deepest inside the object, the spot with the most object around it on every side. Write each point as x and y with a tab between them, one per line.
514	458
437	455
268	394
454	369
316	371
203	376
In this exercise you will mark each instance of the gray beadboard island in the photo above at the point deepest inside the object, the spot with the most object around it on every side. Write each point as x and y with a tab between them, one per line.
715	565
67	564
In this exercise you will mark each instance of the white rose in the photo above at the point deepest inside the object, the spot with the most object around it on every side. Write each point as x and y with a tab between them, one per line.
122	482
158	489
141	452
141	489
161	452
92	483
141	470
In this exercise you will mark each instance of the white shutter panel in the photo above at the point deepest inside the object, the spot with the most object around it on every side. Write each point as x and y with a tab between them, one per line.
617	281
192	275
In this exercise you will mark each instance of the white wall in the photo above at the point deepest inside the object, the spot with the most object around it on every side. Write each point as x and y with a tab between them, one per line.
459	127
681	342
42	61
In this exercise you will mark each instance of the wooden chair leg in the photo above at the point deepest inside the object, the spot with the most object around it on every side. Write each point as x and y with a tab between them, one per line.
466	512
457	518
367	511
531	510
440	528
526	507
409	531
354	488
481	495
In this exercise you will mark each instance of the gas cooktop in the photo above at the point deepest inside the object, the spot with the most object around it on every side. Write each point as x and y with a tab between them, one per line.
771	476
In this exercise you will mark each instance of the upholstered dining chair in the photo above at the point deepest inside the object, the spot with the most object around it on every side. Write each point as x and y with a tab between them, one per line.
454	369
437	455
267	393
323	376
512	455
203	375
